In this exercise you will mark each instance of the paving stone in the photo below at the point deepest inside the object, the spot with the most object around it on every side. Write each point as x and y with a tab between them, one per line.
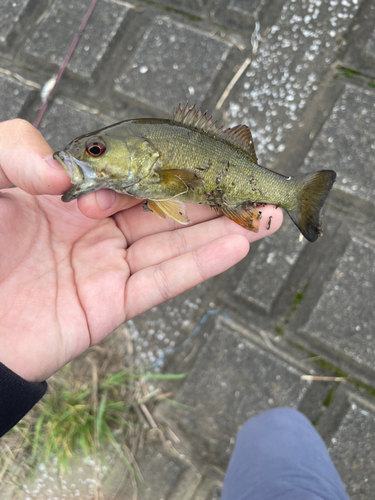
161	472
344	316
165	327
173	63
10	13
245	6
269	269
13	97
360	53
353	453
80	480
232	380
187	485
370	45
194	7
64	121
211	486
273	93
213	493
347	144
56	32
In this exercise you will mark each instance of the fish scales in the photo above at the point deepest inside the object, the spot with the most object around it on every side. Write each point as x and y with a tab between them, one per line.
184	148
189	159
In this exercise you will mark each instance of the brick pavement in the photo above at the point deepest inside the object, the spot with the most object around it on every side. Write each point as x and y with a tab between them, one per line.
293	308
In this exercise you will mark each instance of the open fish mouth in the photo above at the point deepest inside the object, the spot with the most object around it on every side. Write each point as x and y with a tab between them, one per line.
77	170
66	161
82	176
79	190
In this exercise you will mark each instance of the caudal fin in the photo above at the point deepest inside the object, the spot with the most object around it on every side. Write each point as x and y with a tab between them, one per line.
312	191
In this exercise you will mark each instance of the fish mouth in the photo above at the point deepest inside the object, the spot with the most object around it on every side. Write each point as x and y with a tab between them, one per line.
65	161
81	175
78	170
84	178
81	189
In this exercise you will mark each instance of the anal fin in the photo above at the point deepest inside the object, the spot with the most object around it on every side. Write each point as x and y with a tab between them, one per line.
247	217
174	209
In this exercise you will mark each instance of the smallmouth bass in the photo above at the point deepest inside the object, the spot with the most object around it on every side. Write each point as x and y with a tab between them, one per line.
189	159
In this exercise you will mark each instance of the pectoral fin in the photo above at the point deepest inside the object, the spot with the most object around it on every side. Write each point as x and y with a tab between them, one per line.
174	209
247	217
180	181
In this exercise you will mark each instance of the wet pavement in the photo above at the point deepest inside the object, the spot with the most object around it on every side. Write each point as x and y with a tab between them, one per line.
288	309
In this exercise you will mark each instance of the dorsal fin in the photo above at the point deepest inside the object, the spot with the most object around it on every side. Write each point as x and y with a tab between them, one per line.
239	135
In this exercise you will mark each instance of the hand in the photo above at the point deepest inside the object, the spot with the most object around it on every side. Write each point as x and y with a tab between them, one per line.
72	273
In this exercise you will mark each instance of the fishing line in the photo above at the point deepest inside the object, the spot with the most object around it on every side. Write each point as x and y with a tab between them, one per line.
50	86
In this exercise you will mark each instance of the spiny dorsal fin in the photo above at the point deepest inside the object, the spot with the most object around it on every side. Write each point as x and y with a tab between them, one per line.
239	135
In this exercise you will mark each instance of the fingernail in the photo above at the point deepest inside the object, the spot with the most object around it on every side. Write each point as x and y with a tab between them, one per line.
53	163
105	198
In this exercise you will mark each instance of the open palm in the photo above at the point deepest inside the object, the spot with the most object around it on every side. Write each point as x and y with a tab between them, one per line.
66	280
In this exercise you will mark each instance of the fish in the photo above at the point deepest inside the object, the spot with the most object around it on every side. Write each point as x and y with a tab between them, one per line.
190	159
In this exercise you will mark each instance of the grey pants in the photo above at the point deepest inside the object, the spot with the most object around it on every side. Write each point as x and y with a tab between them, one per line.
279	456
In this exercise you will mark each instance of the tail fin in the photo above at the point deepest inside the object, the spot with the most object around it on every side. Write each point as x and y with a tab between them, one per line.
312	191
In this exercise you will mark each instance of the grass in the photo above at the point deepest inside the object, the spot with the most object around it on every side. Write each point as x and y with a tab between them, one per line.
297	299
329	398
348	72
94	403
166	8
352	73
77	417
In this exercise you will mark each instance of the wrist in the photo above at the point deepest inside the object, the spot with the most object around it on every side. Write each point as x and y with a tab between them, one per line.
24	368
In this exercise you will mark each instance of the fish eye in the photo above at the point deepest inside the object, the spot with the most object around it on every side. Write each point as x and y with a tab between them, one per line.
95	147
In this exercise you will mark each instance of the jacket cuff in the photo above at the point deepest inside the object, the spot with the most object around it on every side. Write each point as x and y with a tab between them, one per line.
17	397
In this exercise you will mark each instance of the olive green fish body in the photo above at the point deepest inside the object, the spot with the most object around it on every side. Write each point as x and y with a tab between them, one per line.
188	159
223	167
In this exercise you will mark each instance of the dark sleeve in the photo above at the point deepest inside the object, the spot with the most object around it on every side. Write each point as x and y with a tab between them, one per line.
17	397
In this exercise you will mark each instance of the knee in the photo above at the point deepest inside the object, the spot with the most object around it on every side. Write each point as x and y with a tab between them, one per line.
277	418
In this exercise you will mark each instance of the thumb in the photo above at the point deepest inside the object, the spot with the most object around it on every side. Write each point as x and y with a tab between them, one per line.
26	161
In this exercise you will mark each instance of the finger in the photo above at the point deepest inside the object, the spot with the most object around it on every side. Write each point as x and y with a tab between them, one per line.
23	162
136	223
156	284
104	203
159	247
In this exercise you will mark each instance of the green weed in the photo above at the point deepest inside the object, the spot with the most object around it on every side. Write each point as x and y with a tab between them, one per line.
81	415
297	299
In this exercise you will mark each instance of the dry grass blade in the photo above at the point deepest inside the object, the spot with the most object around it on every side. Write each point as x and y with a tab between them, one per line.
233	82
148	416
320	378
20	78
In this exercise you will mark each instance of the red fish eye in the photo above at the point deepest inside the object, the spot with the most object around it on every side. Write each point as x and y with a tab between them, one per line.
95	147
